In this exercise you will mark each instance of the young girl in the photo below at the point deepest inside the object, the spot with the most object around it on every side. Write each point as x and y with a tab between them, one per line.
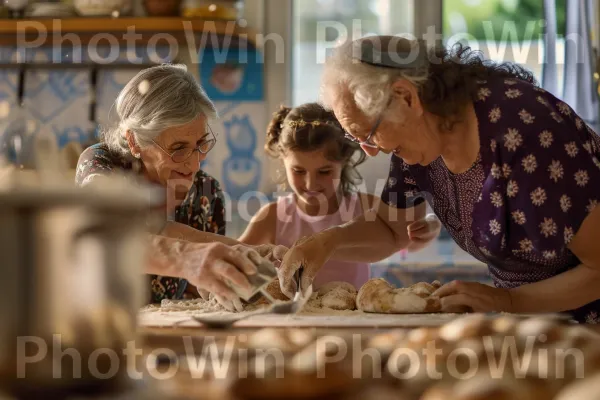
320	166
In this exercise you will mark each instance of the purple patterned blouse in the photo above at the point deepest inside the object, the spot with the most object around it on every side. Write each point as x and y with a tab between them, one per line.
536	179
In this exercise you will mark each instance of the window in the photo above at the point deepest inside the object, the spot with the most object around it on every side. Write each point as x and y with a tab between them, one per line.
505	30
317	24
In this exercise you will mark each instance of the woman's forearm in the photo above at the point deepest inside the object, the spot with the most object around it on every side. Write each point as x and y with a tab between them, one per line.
567	291
365	239
177	230
164	256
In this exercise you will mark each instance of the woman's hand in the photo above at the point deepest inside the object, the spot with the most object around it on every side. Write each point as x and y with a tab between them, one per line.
215	268
423	231
460	296
271	252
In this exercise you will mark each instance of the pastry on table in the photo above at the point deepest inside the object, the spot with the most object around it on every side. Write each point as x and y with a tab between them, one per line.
314	372
379	296
482	387
470	326
286	340
338	296
588	389
274	289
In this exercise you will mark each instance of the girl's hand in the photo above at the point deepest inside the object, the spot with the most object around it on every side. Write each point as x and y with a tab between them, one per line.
423	231
311	253
460	296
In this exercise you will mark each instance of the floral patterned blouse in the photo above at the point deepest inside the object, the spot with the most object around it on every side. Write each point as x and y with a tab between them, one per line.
535	180
203	208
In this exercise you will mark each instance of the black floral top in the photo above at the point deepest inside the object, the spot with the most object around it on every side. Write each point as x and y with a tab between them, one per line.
203	208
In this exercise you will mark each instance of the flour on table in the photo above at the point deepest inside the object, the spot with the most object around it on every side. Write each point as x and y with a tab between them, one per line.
212	308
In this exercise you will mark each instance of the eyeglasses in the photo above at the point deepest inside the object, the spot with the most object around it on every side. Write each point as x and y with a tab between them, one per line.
182	155
367	142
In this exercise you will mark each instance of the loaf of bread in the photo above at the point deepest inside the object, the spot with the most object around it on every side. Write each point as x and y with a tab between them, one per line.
379	296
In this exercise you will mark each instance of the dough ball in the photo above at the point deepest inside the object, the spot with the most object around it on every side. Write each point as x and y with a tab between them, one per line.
469	326
286	383
275	291
441	391
588	389
482	387
504	324
378	296
581	336
543	330
286	340
422	289
339	300
386	342
379	392
337	285
338	296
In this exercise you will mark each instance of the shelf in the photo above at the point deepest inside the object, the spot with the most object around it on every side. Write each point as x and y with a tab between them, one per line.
12	30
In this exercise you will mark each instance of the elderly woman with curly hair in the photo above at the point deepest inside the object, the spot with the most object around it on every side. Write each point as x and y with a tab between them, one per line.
511	171
163	135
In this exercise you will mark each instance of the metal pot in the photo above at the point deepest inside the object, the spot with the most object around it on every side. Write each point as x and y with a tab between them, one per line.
72	282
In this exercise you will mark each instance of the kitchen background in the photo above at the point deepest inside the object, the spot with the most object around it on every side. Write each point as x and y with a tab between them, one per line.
49	89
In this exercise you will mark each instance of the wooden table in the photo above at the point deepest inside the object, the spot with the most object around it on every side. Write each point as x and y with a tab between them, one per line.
184	386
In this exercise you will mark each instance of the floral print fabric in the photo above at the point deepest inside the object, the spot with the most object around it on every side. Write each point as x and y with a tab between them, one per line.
202	209
536	179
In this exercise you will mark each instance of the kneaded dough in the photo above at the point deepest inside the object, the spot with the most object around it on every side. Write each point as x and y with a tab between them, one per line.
274	289
338	296
379	296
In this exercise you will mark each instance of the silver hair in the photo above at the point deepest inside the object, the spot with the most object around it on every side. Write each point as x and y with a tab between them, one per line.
369	84
155	99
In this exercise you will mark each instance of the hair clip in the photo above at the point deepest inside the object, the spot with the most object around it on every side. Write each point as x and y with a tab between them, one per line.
371	54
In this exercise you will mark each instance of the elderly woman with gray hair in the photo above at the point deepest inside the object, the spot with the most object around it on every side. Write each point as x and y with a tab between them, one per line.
512	172
163	135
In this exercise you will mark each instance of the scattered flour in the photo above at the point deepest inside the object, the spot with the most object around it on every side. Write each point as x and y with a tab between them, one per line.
214	309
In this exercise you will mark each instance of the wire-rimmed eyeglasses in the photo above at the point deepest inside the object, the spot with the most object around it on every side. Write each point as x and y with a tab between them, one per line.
367	142
182	155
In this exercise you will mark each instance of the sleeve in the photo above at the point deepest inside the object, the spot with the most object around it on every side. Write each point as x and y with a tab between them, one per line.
401	190
218	209
209	205
93	162
553	185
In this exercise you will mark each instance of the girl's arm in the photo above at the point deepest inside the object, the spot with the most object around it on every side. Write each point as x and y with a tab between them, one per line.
261	229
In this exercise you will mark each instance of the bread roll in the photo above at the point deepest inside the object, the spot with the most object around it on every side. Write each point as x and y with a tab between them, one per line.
274	289
543	330
504	324
337	285
338	296
586	389
482	387
286	340
470	326
378	296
